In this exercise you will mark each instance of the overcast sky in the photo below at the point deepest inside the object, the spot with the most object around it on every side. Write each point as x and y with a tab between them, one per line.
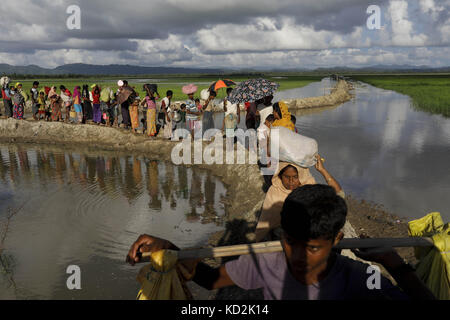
226	33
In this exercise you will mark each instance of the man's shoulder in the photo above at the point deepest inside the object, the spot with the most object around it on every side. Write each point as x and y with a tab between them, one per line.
270	259
346	263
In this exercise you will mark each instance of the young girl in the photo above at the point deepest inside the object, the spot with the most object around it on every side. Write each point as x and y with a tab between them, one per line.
41	104
77	104
134	114
198	104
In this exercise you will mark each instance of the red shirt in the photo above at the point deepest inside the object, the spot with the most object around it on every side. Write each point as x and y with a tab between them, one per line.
96	98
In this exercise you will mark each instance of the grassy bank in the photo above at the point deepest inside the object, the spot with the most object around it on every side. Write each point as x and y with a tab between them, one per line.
168	83
428	92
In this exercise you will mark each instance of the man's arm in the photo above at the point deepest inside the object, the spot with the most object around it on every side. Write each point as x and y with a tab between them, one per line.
212	278
331	181
205	276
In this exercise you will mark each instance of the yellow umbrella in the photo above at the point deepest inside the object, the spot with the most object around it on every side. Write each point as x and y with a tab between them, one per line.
434	262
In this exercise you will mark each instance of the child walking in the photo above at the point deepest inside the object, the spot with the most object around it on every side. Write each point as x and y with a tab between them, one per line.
41	105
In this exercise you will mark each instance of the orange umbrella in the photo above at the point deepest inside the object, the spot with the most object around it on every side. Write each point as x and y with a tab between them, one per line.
225	83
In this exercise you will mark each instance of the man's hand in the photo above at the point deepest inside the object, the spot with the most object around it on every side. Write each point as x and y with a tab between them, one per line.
146	243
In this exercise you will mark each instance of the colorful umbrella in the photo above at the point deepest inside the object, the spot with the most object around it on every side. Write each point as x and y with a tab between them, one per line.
225	83
252	90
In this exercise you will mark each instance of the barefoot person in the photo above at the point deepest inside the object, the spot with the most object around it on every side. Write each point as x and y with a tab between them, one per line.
307	268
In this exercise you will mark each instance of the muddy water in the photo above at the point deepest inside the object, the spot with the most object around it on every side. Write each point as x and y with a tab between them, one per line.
85	209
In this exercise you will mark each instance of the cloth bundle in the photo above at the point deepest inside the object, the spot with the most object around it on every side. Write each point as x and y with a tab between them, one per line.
293	147
163	278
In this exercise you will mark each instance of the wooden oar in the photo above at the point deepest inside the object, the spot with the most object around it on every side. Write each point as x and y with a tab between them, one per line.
275	246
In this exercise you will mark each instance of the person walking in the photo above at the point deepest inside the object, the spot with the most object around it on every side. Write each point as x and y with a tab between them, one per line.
7	102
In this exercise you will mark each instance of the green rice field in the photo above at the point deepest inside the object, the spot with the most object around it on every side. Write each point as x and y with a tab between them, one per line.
168	83
430	93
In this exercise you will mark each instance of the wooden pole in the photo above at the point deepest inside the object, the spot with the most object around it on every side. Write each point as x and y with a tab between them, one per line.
275	246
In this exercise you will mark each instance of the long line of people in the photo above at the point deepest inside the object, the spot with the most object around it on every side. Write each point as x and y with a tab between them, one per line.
103	106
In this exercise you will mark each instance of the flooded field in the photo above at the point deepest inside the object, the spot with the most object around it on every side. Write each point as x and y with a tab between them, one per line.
383	150
86	209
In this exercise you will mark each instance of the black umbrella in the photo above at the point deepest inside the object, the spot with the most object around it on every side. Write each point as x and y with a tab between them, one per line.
252	90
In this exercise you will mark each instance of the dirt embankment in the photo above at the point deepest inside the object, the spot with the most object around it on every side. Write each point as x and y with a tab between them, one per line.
339	94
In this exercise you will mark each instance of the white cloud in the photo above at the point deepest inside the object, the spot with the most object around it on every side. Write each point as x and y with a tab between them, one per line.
430	7
254	33
402	28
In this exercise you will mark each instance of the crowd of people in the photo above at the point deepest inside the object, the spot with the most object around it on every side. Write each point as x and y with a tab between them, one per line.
103	106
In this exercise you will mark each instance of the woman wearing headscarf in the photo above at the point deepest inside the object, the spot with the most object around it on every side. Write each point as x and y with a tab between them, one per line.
192	112
282	116
19	103
288	177
77	103
149	104
67	100
55	104
86	100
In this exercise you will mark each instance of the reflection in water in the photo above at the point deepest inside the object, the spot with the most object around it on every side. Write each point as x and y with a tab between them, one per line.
87	208
382	150
152	185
